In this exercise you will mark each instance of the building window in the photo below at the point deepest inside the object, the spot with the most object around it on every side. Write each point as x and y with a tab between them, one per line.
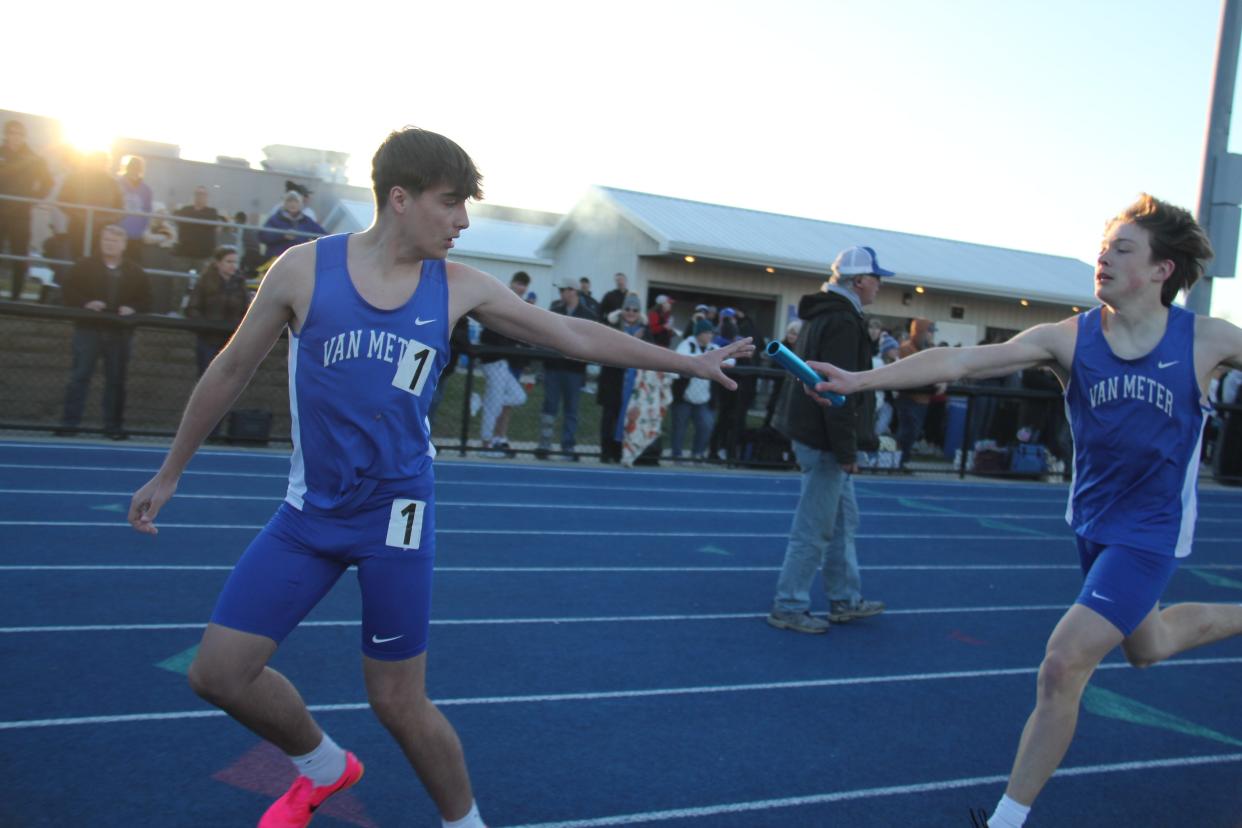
957	312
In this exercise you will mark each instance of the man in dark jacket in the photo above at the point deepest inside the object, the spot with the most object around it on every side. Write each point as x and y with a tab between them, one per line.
826	442
23	174
562	381
109	286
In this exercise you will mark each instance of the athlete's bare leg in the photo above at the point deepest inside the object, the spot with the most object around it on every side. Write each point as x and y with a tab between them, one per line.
230	671
1078	644
398	695
1167	632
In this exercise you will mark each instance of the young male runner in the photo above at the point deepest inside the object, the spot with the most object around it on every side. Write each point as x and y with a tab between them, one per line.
1135	372
369	317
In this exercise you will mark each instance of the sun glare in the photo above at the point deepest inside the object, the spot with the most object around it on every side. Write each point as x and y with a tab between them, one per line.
88	135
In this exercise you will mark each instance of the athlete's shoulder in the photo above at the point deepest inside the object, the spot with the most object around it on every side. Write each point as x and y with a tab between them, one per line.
291	278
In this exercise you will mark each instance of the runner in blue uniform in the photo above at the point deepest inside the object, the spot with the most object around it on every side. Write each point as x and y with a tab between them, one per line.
1136	371
369	317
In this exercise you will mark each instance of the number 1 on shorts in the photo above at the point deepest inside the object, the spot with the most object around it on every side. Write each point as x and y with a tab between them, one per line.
405	523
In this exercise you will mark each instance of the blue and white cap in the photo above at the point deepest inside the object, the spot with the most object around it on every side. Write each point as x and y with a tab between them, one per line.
858	261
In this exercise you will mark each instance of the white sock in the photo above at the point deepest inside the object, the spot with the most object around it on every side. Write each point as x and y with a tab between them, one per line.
1009	814
324	765
470	820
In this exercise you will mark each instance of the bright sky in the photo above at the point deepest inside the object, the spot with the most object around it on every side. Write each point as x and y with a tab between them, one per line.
1024	123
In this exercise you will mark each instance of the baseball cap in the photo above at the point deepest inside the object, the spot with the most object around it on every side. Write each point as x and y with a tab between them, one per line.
566	284
701	326
728	312
700	308
858	261
531	297
632	301
662	298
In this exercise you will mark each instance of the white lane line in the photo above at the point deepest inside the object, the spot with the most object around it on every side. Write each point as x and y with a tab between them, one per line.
542	698
475	622
276	499
569	569
635	533
873	793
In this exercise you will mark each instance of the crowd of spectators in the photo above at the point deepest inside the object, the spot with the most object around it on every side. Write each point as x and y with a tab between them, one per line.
225	254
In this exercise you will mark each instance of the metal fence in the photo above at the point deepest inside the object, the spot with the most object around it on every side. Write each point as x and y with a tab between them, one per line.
36	356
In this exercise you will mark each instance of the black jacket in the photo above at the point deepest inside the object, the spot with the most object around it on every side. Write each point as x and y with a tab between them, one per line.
581	311
832	331
89	280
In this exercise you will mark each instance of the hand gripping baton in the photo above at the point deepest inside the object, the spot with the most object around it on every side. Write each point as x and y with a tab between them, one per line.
793	363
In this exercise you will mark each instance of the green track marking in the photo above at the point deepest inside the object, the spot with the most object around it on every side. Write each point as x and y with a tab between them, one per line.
918	505
109	507
714	550
180	663
1215	580
1111	705
988	523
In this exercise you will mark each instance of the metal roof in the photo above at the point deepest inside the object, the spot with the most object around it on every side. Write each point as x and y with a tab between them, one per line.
734	234
485	238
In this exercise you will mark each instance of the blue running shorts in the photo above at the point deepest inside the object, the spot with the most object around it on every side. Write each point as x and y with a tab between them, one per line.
1123	583
298	556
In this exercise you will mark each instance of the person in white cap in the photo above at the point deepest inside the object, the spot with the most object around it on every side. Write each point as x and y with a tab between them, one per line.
826	442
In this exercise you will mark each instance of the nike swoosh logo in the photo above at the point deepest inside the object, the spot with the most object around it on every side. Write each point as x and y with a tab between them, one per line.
418	321
377	640
1095	594
1167	364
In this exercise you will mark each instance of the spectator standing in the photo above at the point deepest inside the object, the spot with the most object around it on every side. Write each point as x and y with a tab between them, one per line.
219	295
90	184
660	321
503	392
197	242
562	382
106	284
790	339
700	312
826	442
615	298
305	192
283	227
912	403
24	174
885	350
692	398
609	390
584	294
136	197
729	412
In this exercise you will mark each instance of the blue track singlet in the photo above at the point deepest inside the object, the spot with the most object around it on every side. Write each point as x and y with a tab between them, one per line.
361	381
1138	428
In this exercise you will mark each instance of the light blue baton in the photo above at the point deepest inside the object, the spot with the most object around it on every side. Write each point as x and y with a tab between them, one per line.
793	363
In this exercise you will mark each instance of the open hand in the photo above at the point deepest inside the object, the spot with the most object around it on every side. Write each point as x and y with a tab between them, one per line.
712	360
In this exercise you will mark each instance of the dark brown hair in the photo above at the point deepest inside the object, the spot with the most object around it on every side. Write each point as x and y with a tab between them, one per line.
416	160
1174	235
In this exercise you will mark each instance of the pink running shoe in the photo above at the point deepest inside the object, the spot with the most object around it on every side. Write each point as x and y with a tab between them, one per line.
296	808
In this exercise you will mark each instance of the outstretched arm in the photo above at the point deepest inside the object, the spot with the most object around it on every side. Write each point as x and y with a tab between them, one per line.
498	308
1049	345
220	386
